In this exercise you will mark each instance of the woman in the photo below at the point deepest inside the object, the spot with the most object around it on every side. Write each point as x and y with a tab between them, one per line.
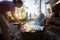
6	6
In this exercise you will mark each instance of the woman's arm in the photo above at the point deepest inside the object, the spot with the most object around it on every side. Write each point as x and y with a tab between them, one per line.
16	19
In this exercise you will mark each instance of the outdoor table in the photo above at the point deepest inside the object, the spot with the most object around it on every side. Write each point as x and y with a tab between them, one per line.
32	35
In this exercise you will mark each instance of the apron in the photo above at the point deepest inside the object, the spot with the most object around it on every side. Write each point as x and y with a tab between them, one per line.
4	27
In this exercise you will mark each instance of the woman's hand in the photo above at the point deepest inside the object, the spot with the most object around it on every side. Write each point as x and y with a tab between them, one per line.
21	24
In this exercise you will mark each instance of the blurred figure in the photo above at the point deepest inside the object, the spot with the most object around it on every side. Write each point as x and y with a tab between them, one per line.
6	6
49	17
49	14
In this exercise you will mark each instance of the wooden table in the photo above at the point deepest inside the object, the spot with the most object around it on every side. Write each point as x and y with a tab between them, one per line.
38	35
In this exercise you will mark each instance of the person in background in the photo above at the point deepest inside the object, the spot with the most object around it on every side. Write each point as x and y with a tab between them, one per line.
49	13
49	17
6	6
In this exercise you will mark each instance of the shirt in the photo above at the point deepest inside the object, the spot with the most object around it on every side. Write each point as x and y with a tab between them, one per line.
49	15
6	6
